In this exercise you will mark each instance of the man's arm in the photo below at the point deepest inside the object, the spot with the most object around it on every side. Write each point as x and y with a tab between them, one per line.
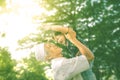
70	34
82	48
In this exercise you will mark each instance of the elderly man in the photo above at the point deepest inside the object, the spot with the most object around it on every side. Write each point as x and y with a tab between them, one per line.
65	68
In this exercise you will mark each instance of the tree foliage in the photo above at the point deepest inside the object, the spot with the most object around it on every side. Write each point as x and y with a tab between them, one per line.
26	69
96	23
6	65
31	69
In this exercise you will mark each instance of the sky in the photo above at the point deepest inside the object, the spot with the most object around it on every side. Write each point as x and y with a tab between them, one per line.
17	23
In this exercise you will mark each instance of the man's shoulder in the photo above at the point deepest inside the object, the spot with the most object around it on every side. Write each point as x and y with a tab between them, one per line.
57	62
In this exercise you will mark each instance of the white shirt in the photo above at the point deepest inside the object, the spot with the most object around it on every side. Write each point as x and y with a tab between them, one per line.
69	69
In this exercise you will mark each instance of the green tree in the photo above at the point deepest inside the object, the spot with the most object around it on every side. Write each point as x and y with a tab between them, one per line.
27	69
31	69
96	23
6	65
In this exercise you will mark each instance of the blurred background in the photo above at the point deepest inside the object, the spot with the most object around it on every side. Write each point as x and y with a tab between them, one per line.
96	22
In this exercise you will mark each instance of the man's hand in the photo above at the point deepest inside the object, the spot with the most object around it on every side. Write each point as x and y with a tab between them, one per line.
71	34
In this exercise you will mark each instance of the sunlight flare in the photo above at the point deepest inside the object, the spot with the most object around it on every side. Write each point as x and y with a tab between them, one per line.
17	23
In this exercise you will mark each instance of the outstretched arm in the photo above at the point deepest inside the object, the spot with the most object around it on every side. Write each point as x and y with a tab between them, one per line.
70	34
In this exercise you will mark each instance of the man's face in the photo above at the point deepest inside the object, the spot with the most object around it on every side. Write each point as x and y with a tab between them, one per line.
52	48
